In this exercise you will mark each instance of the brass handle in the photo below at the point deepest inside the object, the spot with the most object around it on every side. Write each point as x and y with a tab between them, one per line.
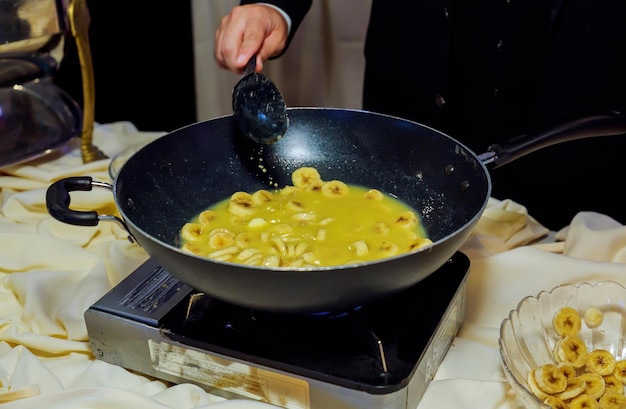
79	18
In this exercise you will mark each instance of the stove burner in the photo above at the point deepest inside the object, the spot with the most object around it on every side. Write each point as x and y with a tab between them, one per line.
335	314
375	345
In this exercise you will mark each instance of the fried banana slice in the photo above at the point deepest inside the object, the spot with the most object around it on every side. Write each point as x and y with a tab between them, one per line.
241	204
388	249
611	400
407	220
555	403
191	232
221	240
620	370
613	385
600	361
335	189
595	384
550	379
567	321
584	402
305	177
534	386
206	217
261	197
574	388
572	350
568	370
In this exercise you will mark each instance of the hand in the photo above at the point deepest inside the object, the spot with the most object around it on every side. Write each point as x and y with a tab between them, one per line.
248	30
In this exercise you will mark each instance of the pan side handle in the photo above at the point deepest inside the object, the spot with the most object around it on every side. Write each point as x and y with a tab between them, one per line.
58	202
609	124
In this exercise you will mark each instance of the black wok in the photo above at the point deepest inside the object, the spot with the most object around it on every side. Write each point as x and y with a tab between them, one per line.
172	179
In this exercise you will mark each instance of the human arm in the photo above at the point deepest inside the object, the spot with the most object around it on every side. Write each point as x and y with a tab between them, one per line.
257	28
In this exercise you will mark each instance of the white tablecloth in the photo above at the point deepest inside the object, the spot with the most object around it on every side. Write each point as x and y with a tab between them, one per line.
50	273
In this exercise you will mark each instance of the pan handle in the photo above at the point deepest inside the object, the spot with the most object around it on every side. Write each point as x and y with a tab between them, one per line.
609	124
58	202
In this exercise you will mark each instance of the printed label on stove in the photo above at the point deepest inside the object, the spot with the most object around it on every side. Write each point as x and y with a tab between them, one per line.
235	377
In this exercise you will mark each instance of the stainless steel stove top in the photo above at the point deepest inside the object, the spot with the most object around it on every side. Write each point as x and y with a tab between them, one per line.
381	355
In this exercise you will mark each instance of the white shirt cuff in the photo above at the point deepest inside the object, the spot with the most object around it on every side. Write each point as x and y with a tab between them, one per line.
282	12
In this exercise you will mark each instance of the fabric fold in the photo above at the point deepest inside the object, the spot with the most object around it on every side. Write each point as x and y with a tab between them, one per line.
52	272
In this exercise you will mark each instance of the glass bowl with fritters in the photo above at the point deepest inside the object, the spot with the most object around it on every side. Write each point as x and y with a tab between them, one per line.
544	333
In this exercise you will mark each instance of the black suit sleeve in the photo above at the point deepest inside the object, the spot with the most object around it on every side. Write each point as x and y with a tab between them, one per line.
296	9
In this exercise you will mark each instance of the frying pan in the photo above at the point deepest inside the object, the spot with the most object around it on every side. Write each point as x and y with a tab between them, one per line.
169	181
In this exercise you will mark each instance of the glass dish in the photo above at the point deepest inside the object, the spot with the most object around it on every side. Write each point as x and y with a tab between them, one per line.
36	118
528	338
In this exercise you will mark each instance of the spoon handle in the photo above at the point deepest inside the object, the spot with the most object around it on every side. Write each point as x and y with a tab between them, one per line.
250	66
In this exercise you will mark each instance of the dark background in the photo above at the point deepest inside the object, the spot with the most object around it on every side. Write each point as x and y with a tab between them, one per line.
142	56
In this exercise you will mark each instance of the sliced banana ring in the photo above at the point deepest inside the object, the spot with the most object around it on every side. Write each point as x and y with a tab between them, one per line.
335	189
595	384
567	322
620	370
612	400
600	361
550	379
613	385
574	388
572	350
305	176
407	220
534	386
568	370
555	403
584	402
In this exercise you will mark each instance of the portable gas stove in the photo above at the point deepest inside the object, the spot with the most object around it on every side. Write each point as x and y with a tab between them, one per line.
381	355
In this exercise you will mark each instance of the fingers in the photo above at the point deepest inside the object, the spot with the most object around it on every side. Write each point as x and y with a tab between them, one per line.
246	31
